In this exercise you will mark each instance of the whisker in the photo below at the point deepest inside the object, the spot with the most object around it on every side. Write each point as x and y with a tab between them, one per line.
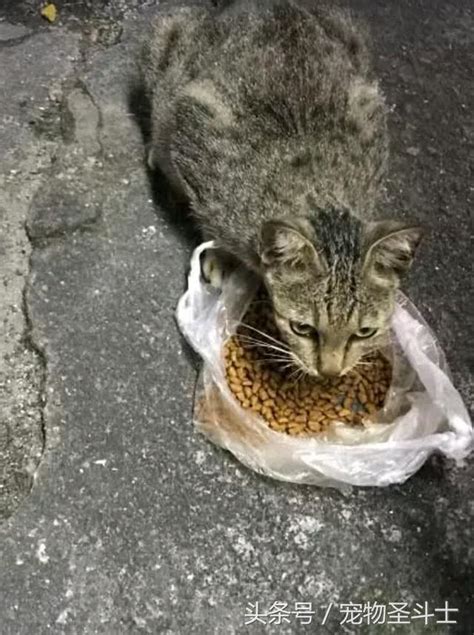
252	342
288	365
252	339
298	379
271	352
257	342
275	360
296	373
281	363
369	353
252	328
268	340
272	344
276	356
304	374
256	345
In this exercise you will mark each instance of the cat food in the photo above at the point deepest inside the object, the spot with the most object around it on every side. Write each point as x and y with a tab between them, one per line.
286	399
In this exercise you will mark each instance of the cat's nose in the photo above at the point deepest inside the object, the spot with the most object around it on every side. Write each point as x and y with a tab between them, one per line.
329	372
330	365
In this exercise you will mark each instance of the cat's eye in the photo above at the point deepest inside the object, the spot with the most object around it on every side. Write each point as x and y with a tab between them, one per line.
302	329
366	331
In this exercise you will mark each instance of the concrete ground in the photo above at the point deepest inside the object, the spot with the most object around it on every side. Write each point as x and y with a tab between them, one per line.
117	516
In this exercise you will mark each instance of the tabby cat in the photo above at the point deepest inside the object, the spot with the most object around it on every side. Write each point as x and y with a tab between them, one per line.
270	122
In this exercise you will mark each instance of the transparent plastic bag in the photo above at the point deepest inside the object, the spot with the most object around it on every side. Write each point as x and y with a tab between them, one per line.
423	413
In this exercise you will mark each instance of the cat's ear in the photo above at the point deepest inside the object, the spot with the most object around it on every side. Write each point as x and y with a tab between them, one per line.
391	247
284	245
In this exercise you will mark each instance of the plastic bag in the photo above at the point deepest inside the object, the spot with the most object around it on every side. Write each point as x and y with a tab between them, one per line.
423	413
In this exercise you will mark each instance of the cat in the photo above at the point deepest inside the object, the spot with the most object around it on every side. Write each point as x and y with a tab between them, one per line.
271	123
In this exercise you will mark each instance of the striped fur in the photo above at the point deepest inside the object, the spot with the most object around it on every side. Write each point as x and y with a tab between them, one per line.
272	124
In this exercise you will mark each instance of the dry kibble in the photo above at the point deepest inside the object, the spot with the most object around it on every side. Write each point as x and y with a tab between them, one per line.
371	408
344	412
293	405
235	386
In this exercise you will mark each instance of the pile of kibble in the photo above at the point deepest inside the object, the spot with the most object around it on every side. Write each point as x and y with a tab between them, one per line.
286	399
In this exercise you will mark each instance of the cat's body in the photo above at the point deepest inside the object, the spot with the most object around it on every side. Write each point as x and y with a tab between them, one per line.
252	114
271	124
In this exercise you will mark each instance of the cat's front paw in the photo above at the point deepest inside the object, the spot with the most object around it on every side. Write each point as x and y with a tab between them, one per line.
212	268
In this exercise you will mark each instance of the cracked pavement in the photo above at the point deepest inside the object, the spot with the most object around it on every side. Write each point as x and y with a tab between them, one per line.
117	516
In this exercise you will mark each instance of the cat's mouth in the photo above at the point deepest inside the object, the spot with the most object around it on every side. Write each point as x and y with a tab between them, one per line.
312	372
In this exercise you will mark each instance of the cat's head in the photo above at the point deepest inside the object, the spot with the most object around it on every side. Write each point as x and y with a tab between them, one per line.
332	280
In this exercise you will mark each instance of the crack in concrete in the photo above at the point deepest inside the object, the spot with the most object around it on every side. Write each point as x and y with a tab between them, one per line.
28	371
75	130
30	340
32	344
42	242
100	123
16	40
23	369
56	211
